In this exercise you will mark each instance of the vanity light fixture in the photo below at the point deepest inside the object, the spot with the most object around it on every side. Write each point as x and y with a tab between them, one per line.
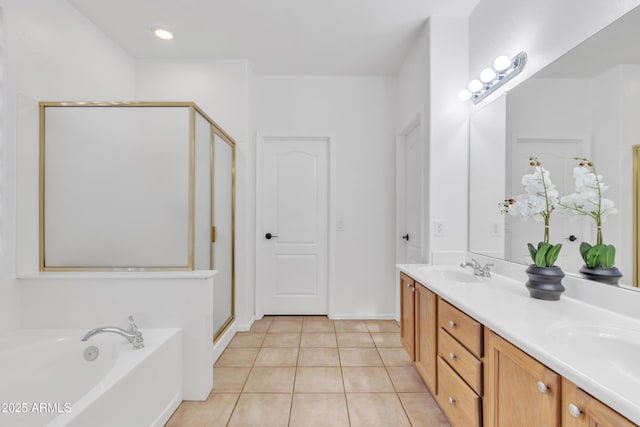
163	34
504	69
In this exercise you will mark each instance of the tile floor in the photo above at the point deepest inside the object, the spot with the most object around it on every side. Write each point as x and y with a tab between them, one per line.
308	371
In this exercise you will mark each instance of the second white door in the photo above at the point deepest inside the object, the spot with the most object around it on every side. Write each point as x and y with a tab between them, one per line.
292	225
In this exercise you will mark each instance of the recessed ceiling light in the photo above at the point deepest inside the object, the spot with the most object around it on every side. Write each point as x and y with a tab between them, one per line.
163	34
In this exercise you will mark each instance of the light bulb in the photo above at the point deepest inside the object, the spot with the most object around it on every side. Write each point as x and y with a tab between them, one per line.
487	75
464	95
502	63
163	34
475	86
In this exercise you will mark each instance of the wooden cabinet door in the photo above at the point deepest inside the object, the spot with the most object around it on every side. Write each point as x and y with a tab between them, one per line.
407	314
520	391
579	409
426	335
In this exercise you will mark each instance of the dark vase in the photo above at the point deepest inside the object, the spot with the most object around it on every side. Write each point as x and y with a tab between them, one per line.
545	282
609	276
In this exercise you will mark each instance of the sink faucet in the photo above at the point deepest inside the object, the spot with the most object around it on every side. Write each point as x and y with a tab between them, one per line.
132	334
478	270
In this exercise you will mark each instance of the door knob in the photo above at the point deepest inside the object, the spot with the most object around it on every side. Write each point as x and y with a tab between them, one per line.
572	238
268	236
406	237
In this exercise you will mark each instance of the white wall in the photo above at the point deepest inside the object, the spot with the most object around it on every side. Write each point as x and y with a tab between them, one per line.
412	98
9	305
221	89
428	80
156	300
53	53
50	52
358	111
449	139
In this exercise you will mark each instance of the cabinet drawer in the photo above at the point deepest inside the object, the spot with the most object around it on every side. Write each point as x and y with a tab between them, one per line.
457	400
462	327
461	360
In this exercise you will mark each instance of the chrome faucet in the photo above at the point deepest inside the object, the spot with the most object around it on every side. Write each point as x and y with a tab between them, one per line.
132	334
478	270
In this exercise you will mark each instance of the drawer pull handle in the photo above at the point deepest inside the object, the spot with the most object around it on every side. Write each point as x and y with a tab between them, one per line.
409	285
413	289
452	401
452	356
452	323
574	410
542	387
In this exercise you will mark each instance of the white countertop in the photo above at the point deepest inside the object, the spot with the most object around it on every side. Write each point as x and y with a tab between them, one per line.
503	305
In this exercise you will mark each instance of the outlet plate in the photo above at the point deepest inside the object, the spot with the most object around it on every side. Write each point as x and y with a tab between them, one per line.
438	228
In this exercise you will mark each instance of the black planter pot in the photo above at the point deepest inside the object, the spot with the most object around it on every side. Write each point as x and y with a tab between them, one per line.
545	282
609	276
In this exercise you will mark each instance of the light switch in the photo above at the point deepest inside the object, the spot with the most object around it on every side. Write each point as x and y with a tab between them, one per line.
340	225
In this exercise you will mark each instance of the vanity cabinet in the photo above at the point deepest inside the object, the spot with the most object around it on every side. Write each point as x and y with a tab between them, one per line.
480	379
520	390
460	349
426	335
579	409
418	327
407	314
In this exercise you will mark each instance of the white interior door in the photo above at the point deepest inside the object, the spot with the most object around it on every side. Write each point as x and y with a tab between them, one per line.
410	188
557	156
292	225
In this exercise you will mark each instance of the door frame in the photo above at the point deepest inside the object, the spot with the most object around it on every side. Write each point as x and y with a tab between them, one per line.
415	120
330	139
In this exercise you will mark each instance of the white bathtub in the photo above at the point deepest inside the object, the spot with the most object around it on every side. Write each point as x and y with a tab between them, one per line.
46	381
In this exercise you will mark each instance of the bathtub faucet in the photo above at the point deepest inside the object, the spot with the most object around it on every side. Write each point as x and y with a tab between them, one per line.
132	334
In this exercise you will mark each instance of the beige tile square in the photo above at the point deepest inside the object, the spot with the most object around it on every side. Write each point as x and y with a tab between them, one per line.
277	356
214	412
237	357
262	409
354	339
287	339
270	380
247	339
359	357
318	325
423	410
319	410
291	325
386	339
226	380
310	356
318	380
382	326
376	409
406	379
394	356
261	326
366	380
350	326
322	339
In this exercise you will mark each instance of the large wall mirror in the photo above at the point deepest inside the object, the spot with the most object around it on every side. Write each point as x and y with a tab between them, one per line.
584	104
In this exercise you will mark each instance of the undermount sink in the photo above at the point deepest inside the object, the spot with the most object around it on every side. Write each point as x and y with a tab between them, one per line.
448	274
600	343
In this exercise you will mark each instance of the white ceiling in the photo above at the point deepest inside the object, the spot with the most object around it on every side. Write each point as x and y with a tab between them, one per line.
334	37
